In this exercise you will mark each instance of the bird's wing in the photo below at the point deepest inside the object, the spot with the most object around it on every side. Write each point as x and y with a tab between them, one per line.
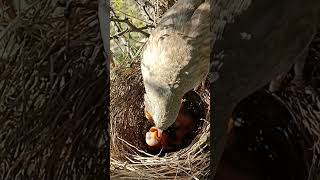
180	13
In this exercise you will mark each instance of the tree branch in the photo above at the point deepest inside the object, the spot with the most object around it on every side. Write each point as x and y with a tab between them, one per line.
133	28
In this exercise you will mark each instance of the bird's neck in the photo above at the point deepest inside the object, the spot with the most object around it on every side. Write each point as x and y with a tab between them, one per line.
167	112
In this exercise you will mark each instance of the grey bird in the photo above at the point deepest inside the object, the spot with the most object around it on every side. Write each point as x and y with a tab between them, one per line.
176	59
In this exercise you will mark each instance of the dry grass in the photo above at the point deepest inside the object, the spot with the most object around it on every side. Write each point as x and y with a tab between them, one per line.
304	107
52	94
127	158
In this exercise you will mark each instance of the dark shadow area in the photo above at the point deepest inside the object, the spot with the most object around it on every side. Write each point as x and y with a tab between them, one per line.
264	144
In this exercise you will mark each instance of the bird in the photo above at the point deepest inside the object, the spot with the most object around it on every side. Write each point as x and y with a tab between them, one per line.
153	140
175	60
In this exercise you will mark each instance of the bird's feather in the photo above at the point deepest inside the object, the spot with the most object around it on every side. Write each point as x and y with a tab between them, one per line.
176	58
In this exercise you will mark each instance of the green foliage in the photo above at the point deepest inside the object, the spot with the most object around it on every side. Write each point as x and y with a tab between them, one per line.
117	4
128	45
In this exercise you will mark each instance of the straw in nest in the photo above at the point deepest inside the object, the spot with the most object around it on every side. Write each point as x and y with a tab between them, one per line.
127	159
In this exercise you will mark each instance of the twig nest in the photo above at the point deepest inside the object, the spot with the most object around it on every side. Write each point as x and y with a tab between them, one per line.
130	154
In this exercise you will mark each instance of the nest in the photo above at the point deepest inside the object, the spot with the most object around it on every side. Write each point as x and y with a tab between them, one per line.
281	131
298	110
304	106
53	84
128	157
274	136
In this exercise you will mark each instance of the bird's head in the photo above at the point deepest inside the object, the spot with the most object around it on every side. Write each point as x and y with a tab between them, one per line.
153	137
162	109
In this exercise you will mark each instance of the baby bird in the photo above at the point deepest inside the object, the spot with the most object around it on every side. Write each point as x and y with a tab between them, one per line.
153	140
